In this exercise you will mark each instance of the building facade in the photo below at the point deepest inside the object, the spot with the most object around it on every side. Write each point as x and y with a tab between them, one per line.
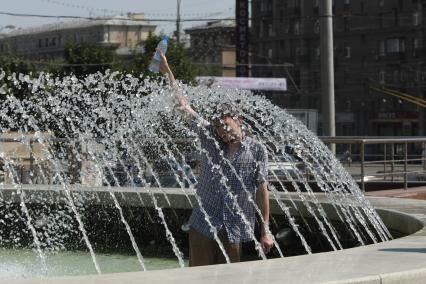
212	48
377	44
48	42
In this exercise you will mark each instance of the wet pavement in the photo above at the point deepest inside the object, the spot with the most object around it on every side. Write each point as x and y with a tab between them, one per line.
410	193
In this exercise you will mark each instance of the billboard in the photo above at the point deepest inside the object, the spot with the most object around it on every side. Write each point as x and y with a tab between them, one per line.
242	37
247	83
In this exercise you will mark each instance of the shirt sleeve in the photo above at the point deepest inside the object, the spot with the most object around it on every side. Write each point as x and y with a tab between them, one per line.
202	128
262	167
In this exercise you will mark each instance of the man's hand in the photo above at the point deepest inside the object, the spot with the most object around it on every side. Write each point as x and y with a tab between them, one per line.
267	242
164	65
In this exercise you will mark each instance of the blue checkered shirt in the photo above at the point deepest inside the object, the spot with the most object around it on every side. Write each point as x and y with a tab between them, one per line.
250	163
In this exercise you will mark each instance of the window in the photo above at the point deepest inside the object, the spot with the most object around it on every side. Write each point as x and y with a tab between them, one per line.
395	17
416	18
46	42
269	52
286	29
270	30
396	76
269	7
40	43
403	76
317	52
346	24
381	22
382	77
346	76
53	42
316	7
296	27
347	52
263	6
317	27
346	5
395	45
298	51
316	80
416	46
382	48
417	76
416	43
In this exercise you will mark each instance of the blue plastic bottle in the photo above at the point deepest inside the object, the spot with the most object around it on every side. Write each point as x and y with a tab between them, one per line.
154	66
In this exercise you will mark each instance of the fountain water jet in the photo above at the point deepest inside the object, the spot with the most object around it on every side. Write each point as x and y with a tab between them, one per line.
137	117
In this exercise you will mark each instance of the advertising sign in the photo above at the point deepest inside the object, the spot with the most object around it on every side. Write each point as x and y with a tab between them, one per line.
247	83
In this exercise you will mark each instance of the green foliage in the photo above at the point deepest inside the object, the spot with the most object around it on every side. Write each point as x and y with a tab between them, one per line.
10	65
87	58
179	61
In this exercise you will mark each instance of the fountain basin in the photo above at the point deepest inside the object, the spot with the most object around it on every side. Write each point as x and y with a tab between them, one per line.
397	261
24	263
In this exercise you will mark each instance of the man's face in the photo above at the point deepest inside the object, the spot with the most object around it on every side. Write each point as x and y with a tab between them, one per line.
229	130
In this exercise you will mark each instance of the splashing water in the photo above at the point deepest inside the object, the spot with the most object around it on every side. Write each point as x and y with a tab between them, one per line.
117	131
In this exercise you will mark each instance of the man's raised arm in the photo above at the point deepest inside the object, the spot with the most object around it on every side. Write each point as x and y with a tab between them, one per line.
183	101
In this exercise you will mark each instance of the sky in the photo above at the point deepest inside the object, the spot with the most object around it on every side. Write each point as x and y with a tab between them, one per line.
158	9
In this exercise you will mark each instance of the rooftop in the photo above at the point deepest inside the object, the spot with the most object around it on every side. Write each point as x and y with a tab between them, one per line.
227	23
84	23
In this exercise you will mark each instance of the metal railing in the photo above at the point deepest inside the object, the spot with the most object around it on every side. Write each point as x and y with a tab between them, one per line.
367	159
392	159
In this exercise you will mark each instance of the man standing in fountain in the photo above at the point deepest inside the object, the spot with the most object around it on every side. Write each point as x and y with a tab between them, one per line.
243	166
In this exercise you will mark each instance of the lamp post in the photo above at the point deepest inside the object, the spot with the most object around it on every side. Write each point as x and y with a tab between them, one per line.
327	70
178	22
7	27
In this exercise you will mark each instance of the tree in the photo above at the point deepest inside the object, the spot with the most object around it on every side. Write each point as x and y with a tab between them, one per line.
176	55
87	58
13	64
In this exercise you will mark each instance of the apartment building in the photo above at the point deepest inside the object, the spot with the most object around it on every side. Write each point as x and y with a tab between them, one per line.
377	44
47	42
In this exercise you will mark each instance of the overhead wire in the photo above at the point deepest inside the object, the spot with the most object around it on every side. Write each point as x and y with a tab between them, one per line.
400	96
163	19
121	12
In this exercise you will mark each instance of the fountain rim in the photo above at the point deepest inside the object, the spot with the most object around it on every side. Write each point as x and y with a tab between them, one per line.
368	264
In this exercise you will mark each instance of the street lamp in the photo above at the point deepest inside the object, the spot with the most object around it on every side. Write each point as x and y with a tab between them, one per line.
7	27
178	21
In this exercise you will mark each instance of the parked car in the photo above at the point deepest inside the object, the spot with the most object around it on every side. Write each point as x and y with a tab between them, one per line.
167	169
282	167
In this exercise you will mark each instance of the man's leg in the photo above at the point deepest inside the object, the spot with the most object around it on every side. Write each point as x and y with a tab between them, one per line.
202	250
233	250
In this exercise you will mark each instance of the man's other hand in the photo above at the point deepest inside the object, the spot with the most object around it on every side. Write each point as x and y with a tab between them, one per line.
267	242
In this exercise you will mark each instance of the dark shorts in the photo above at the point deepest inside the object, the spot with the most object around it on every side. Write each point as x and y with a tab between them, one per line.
206	251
